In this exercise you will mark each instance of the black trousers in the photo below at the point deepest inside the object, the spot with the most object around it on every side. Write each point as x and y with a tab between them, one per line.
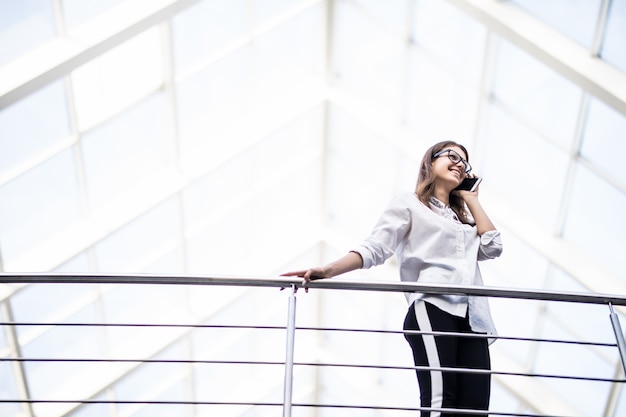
439	389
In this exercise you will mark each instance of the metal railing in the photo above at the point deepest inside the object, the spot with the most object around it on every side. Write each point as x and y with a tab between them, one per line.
293	285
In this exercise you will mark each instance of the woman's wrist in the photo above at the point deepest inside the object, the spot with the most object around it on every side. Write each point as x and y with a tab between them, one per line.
471	200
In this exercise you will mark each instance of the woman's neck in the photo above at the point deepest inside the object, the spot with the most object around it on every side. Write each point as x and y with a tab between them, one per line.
442	194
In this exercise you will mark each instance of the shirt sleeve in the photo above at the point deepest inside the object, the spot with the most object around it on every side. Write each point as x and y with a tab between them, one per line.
387	234
490	245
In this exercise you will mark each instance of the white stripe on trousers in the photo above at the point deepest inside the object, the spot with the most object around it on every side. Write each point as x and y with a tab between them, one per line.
436	377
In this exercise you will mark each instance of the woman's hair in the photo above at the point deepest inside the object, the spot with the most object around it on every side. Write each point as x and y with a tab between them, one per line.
426	180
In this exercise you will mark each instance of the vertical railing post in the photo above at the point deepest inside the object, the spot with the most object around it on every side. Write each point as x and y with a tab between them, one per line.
291	333
619	336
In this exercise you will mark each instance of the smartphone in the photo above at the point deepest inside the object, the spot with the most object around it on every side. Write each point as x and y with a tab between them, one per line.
469	184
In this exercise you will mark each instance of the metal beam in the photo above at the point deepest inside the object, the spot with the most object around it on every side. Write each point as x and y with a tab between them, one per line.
25	76
563	55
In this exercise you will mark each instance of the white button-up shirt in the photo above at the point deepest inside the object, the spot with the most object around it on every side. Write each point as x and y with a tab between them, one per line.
433	246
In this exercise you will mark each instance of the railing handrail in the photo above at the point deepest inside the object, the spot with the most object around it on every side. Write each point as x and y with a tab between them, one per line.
335	283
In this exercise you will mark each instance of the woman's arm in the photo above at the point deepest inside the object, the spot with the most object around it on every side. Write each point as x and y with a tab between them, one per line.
483	223
490	242
346	263
392	225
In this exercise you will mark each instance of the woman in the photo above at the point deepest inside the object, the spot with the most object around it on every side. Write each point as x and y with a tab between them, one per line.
438	235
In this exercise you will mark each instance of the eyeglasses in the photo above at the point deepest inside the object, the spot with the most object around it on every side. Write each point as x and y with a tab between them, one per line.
455	158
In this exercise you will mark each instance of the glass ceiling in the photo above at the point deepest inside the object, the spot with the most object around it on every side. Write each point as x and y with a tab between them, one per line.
254	136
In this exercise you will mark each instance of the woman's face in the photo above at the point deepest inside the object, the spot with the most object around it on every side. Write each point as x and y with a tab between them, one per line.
444	169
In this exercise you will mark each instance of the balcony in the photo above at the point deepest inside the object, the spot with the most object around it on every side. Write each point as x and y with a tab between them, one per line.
239	346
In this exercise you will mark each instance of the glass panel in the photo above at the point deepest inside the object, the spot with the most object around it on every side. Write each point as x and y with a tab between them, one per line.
621	406
37	303
118	78
172	262
516	318
367	60
600	235
240	383
94	410
77	12
519	163
143	304
502	399
592	322
278	163
266	10
44	201
540	96
520	266
452	36
287	54
391	12
202	29
157	381
65	342
281	153
8	378
8	390
217	192
354	150
613	49
127	150
603	140
142	241
439	105
213	248
79	263
573	360
209	302
582	16
278	170
21	140
274	210
24	26
211	100
4	330
178	392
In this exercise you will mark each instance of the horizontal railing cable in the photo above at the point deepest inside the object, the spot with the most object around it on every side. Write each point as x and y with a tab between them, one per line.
466	371
158	325
315	364
463	334
432	409
329	329
274	404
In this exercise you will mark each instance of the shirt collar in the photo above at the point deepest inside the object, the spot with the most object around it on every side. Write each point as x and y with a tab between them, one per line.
437	203
443	209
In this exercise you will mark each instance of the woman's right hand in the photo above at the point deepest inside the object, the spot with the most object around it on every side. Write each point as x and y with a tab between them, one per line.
308	275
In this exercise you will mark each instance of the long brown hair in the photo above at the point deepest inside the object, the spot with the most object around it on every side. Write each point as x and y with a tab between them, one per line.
425	188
